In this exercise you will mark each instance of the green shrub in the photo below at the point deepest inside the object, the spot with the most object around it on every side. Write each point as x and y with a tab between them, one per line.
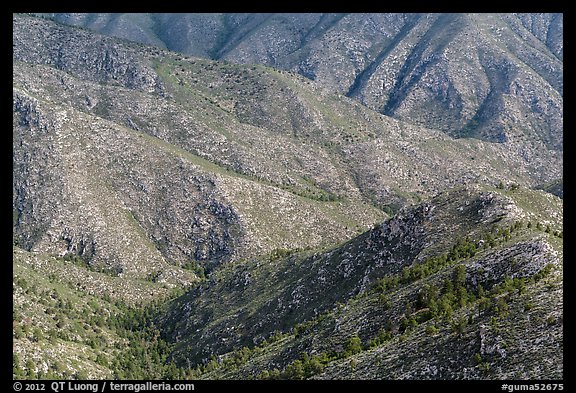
353	346
432	330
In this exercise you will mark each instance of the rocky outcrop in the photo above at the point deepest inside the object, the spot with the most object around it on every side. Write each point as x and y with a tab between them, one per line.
91	57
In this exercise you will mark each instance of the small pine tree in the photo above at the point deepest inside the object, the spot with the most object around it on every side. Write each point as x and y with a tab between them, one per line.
353	346
30	369
315	366
459	325
477	358
431	330
295	370
483	304
501	307
433	308
445	307
485	366
17	371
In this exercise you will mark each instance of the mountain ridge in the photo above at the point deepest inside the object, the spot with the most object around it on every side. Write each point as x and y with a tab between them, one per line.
149	185
346	276
407	66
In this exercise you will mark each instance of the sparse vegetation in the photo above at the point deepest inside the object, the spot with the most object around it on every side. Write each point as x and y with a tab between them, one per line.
183	218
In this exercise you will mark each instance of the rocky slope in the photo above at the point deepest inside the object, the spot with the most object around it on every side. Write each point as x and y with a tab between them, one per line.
140	173
71	321
492	76
177	154
312	303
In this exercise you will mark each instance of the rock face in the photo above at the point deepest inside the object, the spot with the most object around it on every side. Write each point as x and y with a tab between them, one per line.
491	76
83	54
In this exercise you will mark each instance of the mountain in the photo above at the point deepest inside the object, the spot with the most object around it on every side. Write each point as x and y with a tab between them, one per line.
496	77
149	185
395	288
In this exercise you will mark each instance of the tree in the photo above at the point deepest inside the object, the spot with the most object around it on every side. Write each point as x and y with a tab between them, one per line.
406	323
101	360
500	307
405	275
461	296
490	241
17	371
477	358
445	307
431	330
483	305
448	286
30	373
427	294
212	365
353	346
274	374
18	332
295	370
383	336
484	366
313	366
384	301
433	308
38	335
459	276
172	372
520	285
459	325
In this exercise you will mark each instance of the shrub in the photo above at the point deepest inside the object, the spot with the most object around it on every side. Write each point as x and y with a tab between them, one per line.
353	346
295	370
459	325
432	330
477	358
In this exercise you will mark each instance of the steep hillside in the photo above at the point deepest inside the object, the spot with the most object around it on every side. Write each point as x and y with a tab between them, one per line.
138	181
457	287
71	321
152	159
181	217
497	77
